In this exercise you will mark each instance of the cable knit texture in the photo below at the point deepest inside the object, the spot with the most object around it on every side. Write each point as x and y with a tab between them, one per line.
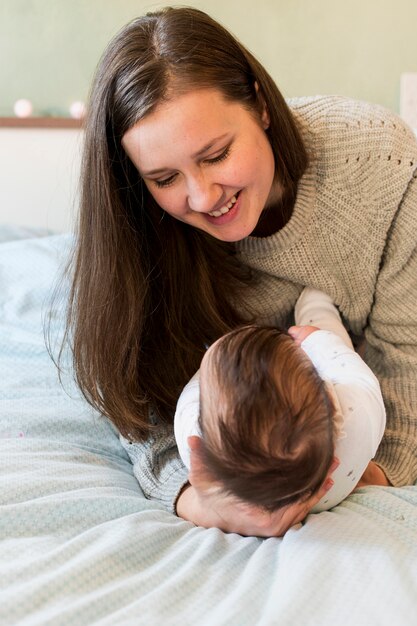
352	235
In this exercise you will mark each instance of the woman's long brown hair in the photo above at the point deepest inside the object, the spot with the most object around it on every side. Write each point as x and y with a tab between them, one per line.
148	291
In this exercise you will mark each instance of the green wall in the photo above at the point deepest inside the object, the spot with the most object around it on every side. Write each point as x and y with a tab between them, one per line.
49	48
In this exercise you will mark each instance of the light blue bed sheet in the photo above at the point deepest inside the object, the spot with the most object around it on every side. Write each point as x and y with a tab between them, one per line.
80	545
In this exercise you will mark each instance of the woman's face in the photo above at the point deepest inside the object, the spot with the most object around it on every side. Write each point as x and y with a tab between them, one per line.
207	162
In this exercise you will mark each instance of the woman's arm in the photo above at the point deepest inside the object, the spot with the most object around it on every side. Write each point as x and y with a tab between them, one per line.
157	466
391	342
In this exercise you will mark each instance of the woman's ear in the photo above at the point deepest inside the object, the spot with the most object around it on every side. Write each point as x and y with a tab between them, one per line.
199	476
265	118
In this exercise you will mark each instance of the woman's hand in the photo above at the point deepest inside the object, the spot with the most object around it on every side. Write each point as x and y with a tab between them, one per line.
235	517
373	475
204	504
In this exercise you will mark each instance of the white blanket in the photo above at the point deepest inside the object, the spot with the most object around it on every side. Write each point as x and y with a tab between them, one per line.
80	545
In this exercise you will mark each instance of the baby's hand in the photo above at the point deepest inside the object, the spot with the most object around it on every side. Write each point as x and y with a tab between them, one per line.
299	333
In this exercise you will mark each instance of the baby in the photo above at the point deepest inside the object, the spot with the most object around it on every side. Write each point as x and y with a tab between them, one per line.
274	408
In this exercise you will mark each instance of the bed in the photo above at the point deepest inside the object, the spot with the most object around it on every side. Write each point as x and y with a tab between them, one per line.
80	545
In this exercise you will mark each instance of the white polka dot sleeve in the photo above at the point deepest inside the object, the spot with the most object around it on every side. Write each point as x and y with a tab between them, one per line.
355	386
186	417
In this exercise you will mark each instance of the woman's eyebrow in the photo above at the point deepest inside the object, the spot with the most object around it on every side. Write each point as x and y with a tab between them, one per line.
201	151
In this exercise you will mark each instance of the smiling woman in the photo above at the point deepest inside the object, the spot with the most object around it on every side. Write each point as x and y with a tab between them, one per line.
207	201
144	215
218	178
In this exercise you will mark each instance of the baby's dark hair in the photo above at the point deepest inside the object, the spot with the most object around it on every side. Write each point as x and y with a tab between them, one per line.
267	419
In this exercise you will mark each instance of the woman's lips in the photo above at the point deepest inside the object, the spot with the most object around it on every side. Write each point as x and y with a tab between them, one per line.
226	217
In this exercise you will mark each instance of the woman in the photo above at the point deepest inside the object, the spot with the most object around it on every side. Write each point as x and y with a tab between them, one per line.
208	201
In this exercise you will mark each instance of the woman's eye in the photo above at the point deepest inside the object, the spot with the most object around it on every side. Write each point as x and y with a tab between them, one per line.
221	156
165	182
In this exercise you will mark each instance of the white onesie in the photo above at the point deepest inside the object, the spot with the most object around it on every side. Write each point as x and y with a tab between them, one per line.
354	387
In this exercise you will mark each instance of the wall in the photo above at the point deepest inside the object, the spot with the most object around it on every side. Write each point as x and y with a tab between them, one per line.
39	170
49	49
357	48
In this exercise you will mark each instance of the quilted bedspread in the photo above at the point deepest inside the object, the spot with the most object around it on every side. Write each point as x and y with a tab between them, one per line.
80	545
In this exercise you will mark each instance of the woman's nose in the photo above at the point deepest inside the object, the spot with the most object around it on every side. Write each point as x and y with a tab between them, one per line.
203	195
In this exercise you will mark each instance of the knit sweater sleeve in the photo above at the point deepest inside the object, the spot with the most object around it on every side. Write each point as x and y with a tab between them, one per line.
391	335
157	466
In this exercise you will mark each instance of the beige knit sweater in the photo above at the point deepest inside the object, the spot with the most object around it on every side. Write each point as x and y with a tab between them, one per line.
353	234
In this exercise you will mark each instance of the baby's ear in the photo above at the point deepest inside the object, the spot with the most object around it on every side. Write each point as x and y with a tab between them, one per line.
199	476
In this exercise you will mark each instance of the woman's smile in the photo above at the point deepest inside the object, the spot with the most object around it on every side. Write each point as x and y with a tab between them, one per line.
225	208
218	176
226	213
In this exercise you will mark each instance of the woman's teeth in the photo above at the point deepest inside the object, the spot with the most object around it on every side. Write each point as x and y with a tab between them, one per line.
224	209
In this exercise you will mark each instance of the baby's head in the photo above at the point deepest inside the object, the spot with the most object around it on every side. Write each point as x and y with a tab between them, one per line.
266	418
